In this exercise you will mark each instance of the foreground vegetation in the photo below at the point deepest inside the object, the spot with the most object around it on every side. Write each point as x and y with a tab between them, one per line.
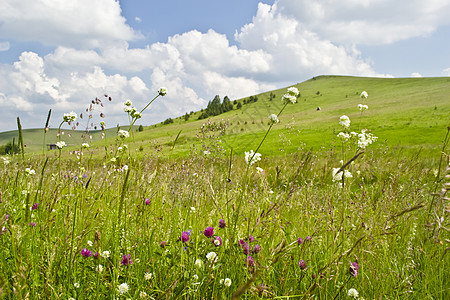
356	219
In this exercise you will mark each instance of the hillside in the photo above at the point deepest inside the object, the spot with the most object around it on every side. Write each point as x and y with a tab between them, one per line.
412	112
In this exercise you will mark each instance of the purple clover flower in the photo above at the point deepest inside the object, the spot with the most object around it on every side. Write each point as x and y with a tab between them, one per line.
251	239
353	270
217	241
246	249
300	241
163	244
32	224
241	243
249	261
302	264
209	231
185	236
222	223
35	206
147	201
126	260
96	255
86	252
308	238
256	248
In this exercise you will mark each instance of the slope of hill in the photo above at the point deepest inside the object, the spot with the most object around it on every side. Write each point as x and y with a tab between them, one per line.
411	112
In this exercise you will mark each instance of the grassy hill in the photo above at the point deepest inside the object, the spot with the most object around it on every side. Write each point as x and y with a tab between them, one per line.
411	112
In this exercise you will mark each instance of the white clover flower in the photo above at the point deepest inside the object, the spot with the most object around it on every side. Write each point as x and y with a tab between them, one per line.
273	118
227	282
192	209
212	257
70	117
353	293
85	145
251	157
29	171
343	136
99	268
128	103
288	98
364	95
162	91
105	254
90	243
362	107
60	145
123	134
142	295
76	285
198	263
125	168
259	170
195	277
293	91
206	152
148	276
123	288
344	121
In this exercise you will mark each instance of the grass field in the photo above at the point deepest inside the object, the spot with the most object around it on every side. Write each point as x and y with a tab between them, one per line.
317	217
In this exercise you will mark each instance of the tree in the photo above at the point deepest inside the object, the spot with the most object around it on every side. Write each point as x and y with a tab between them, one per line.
141	128
226	104
239	105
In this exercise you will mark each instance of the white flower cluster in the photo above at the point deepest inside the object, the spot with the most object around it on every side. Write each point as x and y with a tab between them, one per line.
344	136
251	157
344	121
362	107
353	293
61	144
212	257
29	171
291	95
364	95
226	282
337	177
5	160
123	288
273	118
148	276
162	91
123	134
365	139
70	117
85	145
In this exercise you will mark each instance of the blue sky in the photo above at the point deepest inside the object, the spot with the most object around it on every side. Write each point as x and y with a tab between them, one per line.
60	55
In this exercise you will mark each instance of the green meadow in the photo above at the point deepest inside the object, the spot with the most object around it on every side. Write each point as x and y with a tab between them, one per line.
326	210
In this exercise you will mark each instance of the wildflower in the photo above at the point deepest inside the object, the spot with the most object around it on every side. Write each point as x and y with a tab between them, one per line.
217	241
185	236
126	260
105	254
362	107
251	239
143	295
212	257
353	293
353	270
206	152
192	209
86	252
99	268
35	206
4	230
85	145
29	171
273	118
164	243
308	238
5	160
251	157
162	91
90	243
76	285
209	231
61	144
288	98
343	136
365	139
96	255
123	288
256	248
136	114
128	103
227	282
364	95
302	264
338	176
195	277
148	276
344	121
293	91
222	223
71	298
259	170
246	249
147	201
123	134
300	241
70	117
249	261
32	224
198	263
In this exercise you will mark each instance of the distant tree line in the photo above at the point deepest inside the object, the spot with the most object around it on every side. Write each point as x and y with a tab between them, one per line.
9	148
216	107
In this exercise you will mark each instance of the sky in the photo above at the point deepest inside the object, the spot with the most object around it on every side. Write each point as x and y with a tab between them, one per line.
61	55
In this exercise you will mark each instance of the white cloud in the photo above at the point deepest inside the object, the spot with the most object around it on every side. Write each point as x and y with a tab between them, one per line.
368	21
4	46
416	75
81	23
446	72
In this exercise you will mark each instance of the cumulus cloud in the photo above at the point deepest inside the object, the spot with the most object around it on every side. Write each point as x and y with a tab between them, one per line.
416	75
368	22
81	23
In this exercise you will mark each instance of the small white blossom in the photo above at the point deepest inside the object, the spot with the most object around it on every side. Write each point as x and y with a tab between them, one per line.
123	288
362	107
288	98
85	145
136	114
143	295
123	134
76	285
364	95
337	177
148	276
5	160
29	171
293	91
353	293
105	254
273	118
128	103
195	277
90	243
61	144
343	136
212	257
70	117
365	139
192	209
198	263
259	170
206	152
227	282
344	121
99	268
251	157
162	91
